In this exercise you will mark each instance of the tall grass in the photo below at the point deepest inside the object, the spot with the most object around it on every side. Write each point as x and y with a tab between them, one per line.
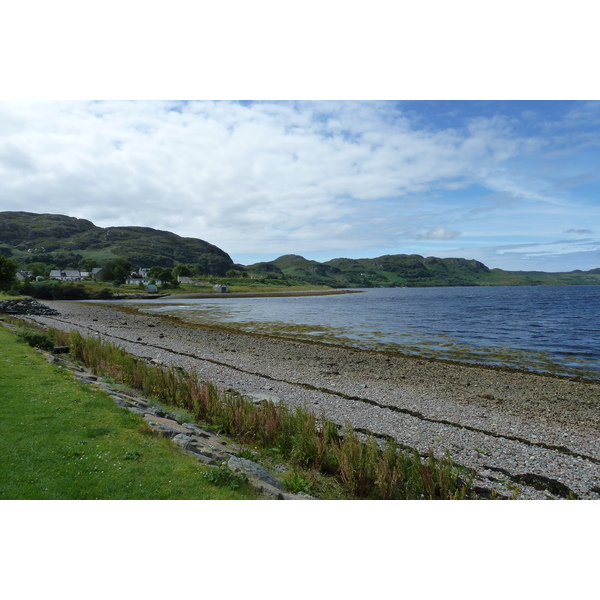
364	469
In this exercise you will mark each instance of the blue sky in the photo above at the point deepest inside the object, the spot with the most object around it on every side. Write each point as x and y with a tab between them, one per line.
515	184
391	158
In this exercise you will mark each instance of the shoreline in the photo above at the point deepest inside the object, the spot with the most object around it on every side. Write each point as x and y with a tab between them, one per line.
516	429
225	295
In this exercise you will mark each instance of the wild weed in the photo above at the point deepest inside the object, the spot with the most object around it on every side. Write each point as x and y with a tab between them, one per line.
357	462
365	470
224	476
36	339
295	484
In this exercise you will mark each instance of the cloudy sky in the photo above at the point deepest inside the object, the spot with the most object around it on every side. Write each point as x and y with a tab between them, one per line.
369	169
515	184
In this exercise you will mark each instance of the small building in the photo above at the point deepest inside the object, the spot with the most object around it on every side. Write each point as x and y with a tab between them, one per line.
192	280
141	276
223	289
151	289
135	279
66	274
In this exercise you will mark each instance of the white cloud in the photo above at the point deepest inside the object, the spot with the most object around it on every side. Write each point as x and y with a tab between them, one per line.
262	178
439	233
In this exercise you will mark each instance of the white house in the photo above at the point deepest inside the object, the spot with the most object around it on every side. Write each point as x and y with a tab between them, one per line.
141	277
66	274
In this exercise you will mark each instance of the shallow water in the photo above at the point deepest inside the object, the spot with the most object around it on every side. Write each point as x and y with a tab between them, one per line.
552	329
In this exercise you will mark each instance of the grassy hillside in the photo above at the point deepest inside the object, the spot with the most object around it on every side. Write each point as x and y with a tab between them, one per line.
68	242
410	271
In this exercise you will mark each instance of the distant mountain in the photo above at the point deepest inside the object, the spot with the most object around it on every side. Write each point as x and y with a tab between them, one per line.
409	270
68	242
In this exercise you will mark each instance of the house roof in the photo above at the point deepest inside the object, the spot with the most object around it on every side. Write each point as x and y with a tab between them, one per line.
65	273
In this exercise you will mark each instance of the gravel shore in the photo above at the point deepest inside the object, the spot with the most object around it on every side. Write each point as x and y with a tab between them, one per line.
527	435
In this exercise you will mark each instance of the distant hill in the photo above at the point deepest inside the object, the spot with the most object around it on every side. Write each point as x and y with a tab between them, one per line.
68	242
410	270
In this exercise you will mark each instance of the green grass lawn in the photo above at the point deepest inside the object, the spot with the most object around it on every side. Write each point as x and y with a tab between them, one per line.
62	440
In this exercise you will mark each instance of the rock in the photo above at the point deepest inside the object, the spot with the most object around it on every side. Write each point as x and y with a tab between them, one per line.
196	430
26	306
262	398
184	441
237	463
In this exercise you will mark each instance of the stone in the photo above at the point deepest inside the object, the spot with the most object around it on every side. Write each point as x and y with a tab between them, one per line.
184	441
26	306
261	398
236	463
196	430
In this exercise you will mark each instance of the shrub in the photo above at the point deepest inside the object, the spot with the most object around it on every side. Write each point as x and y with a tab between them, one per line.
224	476
294	483
36	339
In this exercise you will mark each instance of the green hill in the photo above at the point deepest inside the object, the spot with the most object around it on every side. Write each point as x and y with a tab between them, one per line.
404	270
68	242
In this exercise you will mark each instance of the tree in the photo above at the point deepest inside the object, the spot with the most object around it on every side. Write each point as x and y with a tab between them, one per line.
166	274
8	271
181	270
154	272
161	273
116	269
38	269
90	264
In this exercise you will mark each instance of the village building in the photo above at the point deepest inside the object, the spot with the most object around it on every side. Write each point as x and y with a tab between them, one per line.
68	274
192	280
141	276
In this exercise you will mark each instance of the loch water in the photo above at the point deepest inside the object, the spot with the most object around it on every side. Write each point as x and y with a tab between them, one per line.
545	328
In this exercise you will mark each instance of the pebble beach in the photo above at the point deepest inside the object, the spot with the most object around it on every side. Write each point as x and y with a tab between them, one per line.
526	435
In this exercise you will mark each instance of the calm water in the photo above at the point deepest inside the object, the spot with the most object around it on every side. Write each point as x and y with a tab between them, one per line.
555	329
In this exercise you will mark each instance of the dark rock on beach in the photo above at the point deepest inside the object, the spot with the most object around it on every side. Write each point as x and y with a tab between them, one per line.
26	306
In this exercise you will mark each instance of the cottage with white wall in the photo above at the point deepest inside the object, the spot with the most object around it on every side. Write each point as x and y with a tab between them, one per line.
67	274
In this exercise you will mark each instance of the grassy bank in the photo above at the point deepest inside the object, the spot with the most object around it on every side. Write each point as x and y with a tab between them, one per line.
321	458
63	440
